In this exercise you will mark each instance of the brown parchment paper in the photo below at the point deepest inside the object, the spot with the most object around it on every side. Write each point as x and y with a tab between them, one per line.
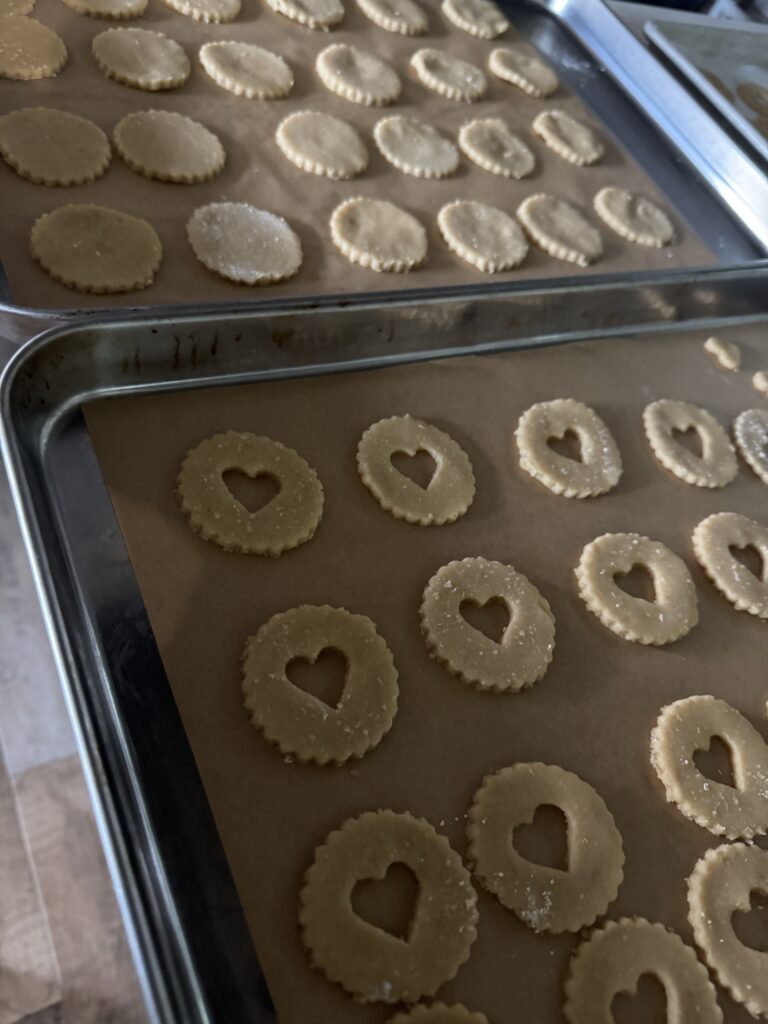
258	173
592	712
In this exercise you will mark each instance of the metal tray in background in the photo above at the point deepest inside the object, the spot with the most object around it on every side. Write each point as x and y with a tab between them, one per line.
185	923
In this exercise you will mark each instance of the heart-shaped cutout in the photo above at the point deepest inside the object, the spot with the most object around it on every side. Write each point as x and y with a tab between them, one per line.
324	678
254	492
751	559
388	903
689	439
715	763
638	582
647	1005
751	926
544	840
568	446
419	468
491	619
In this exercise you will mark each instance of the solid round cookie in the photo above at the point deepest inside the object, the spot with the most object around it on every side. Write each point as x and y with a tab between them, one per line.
288	520
321	144
415	147
492	145
315	14
727	354
300	724
450	491
402	16
633	217
717	464
755	96
439	1013
246	70
616	956
520	66
448	76
141	59
207	11
357	75
118	10
750	431
570	138
168	146
599	468
547	899
378	235
367	961
482	235
688	725
480	18
560	230
672	613
713	539
524	652
96	249
53	147
244	244
29	50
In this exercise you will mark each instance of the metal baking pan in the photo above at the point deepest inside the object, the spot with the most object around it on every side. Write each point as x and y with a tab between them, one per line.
185	923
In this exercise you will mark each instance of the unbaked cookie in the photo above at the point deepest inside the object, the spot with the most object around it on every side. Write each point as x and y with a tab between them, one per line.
726	353
599	468
367	961
672	613
755	96
713	539
403	16
560	230
247	70
480	18
415	148
717	464
141	59
115	9
519	65
448	76
300	724
244	244
614	958
378	235
439	1013
633	217
525	650
9	7
760	381
29	50
750	431
168	146
492	145
321	144
207	11
357	75
316	14
450	491
571	139
52	147
482	235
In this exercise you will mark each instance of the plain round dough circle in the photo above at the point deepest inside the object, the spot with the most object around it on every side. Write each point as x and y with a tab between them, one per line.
246	70
482	235
633	217
29	50
53	147
169	147
244	244
560	230
490	143
402	16
712	540
481	18
448	76
118	10
321	144
439	1013
357	75
207	11
750	431
415	147
716	466
140	58
315	14
570	138
378	235
521	67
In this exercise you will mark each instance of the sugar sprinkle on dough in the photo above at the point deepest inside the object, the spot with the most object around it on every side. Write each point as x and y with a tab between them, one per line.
480	18
402	16
633	217
439	1013
315	14
482	235
247	70
244	244
29	50
415	147
207	11
96	249
53	147
755	96
321	144
115	9
672	613
560	229
717	464
760	381
169	147
492	145
570	138
378	235
357	75
713	539
141	59
448	76
726	353
750	432
546	899
367	961
520	66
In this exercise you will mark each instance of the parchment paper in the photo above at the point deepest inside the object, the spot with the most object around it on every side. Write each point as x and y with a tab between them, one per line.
258	173
592	712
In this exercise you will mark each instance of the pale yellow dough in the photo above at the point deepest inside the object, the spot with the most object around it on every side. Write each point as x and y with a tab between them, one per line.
760	381
378	235
247	70
633	217
483	236
9	7
118	10
448	76
315	14
492	145
402	16
439	1013
244	244
750	431
53	147
727	354
29	50
207	11
570	138
321	144
141	59
480	18
357	75
712	540
717	464
560	229
522	67
415	147
167	146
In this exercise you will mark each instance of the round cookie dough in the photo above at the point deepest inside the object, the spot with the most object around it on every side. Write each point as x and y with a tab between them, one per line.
480	18
755	96
297	722
482	235
244	244
571	139
722	883
207	11
600	467
118	10
169	147
750	431
316	14
247	70
689	725
726	353
717	464
52	147
633	217
614	958
321	144
357	75
520	66
288	520
439	1013
367	961
448	76
490	143
378	235
140	58
560	230
712	540
450	491
402	16
547	899
415	148
29	50
673	612
522	656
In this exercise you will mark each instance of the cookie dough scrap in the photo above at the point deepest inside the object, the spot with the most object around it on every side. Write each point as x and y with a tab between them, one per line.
570	138
717	464
29	50
688	725
721	884
367	961
402	16
244	244
613	959
448	76
492	145
118	10
750	431
673	612
633	217
600	467
525	650
357	75
378	235
316	14
520	66
53	147
288	520
480	18
760	381
321	144
560	229
210	12
439	1013
713	539
96	249
415	147
755	96
483	236
140	58
300	724
247	70
169	147
727	354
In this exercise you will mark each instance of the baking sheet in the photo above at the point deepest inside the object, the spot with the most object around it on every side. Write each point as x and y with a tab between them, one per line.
258	173
592	712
